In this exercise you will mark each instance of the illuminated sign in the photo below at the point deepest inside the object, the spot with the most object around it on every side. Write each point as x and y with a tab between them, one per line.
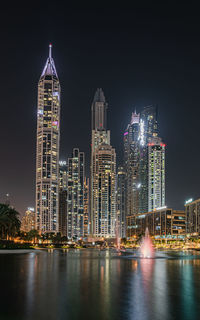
189	201
55	124
160	208
62	163
142	132
125	133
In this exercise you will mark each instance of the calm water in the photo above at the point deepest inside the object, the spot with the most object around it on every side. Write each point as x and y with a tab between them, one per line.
89	284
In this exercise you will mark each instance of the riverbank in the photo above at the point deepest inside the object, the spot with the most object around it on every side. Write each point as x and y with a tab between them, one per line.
11	251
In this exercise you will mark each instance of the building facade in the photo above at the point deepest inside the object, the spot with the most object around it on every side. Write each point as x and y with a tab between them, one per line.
131	164
86	214
104	174
156	174
28	220
121	202
148	130
192	211
104	191
63	198
75	195
47	151
162	223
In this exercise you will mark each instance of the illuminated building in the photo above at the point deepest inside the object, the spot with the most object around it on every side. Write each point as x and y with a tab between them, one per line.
131	164
104	191
63	198
47	153
121	202
28	220
148	130
100	135
156	174
161	223
75	195
86	218
192	211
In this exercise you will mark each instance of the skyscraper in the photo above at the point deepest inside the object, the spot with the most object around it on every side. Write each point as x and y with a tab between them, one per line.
63	198
47	153
121	202
28	220
104	191
100	135
156	174
86	216
148	130
131	164
75	194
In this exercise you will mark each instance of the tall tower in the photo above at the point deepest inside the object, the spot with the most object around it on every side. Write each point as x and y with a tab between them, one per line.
156	174
121	202
104	191
131	164
63	198
75	194
86	218
100	135
47	152
148	131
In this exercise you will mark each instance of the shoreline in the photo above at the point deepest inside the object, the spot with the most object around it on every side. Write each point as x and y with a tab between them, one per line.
7	251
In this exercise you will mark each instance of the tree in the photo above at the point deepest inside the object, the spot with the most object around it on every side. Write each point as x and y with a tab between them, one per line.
57	238
33	235
9	221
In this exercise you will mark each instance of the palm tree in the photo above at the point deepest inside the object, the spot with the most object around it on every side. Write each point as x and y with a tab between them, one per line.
33	235
9	221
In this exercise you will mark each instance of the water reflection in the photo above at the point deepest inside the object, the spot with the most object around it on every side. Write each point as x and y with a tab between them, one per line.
90	284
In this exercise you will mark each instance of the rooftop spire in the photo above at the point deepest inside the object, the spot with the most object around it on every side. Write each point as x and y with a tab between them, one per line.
50	50
50	68
99	96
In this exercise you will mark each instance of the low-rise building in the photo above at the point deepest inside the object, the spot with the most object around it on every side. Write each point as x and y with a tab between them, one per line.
192	212
161	223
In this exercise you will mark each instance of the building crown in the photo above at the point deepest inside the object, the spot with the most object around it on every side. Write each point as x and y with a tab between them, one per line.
49	68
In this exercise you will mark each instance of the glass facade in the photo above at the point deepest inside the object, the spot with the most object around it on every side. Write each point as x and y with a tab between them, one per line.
47	153
75	195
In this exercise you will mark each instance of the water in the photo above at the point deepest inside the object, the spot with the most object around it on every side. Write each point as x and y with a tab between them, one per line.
99	285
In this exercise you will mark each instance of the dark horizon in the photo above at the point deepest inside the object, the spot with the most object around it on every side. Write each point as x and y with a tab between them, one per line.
140	56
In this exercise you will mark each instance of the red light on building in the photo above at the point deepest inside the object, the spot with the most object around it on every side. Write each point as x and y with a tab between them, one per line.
151	144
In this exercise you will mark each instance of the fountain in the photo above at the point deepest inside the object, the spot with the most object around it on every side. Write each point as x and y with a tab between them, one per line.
146	248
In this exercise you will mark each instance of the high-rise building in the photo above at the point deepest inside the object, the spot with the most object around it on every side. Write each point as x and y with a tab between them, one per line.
63	198
86	216
104	191
121	202
131	164
47	153
100	135
28	220
156	174
75	195
148	130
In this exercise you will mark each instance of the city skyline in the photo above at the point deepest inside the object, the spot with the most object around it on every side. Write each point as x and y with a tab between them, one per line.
134	86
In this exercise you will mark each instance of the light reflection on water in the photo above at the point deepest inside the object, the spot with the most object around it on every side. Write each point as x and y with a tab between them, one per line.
93	284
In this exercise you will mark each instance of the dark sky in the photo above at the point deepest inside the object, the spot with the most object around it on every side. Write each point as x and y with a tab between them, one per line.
139	56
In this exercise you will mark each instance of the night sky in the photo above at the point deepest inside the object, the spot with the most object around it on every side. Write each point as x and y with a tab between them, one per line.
139	56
